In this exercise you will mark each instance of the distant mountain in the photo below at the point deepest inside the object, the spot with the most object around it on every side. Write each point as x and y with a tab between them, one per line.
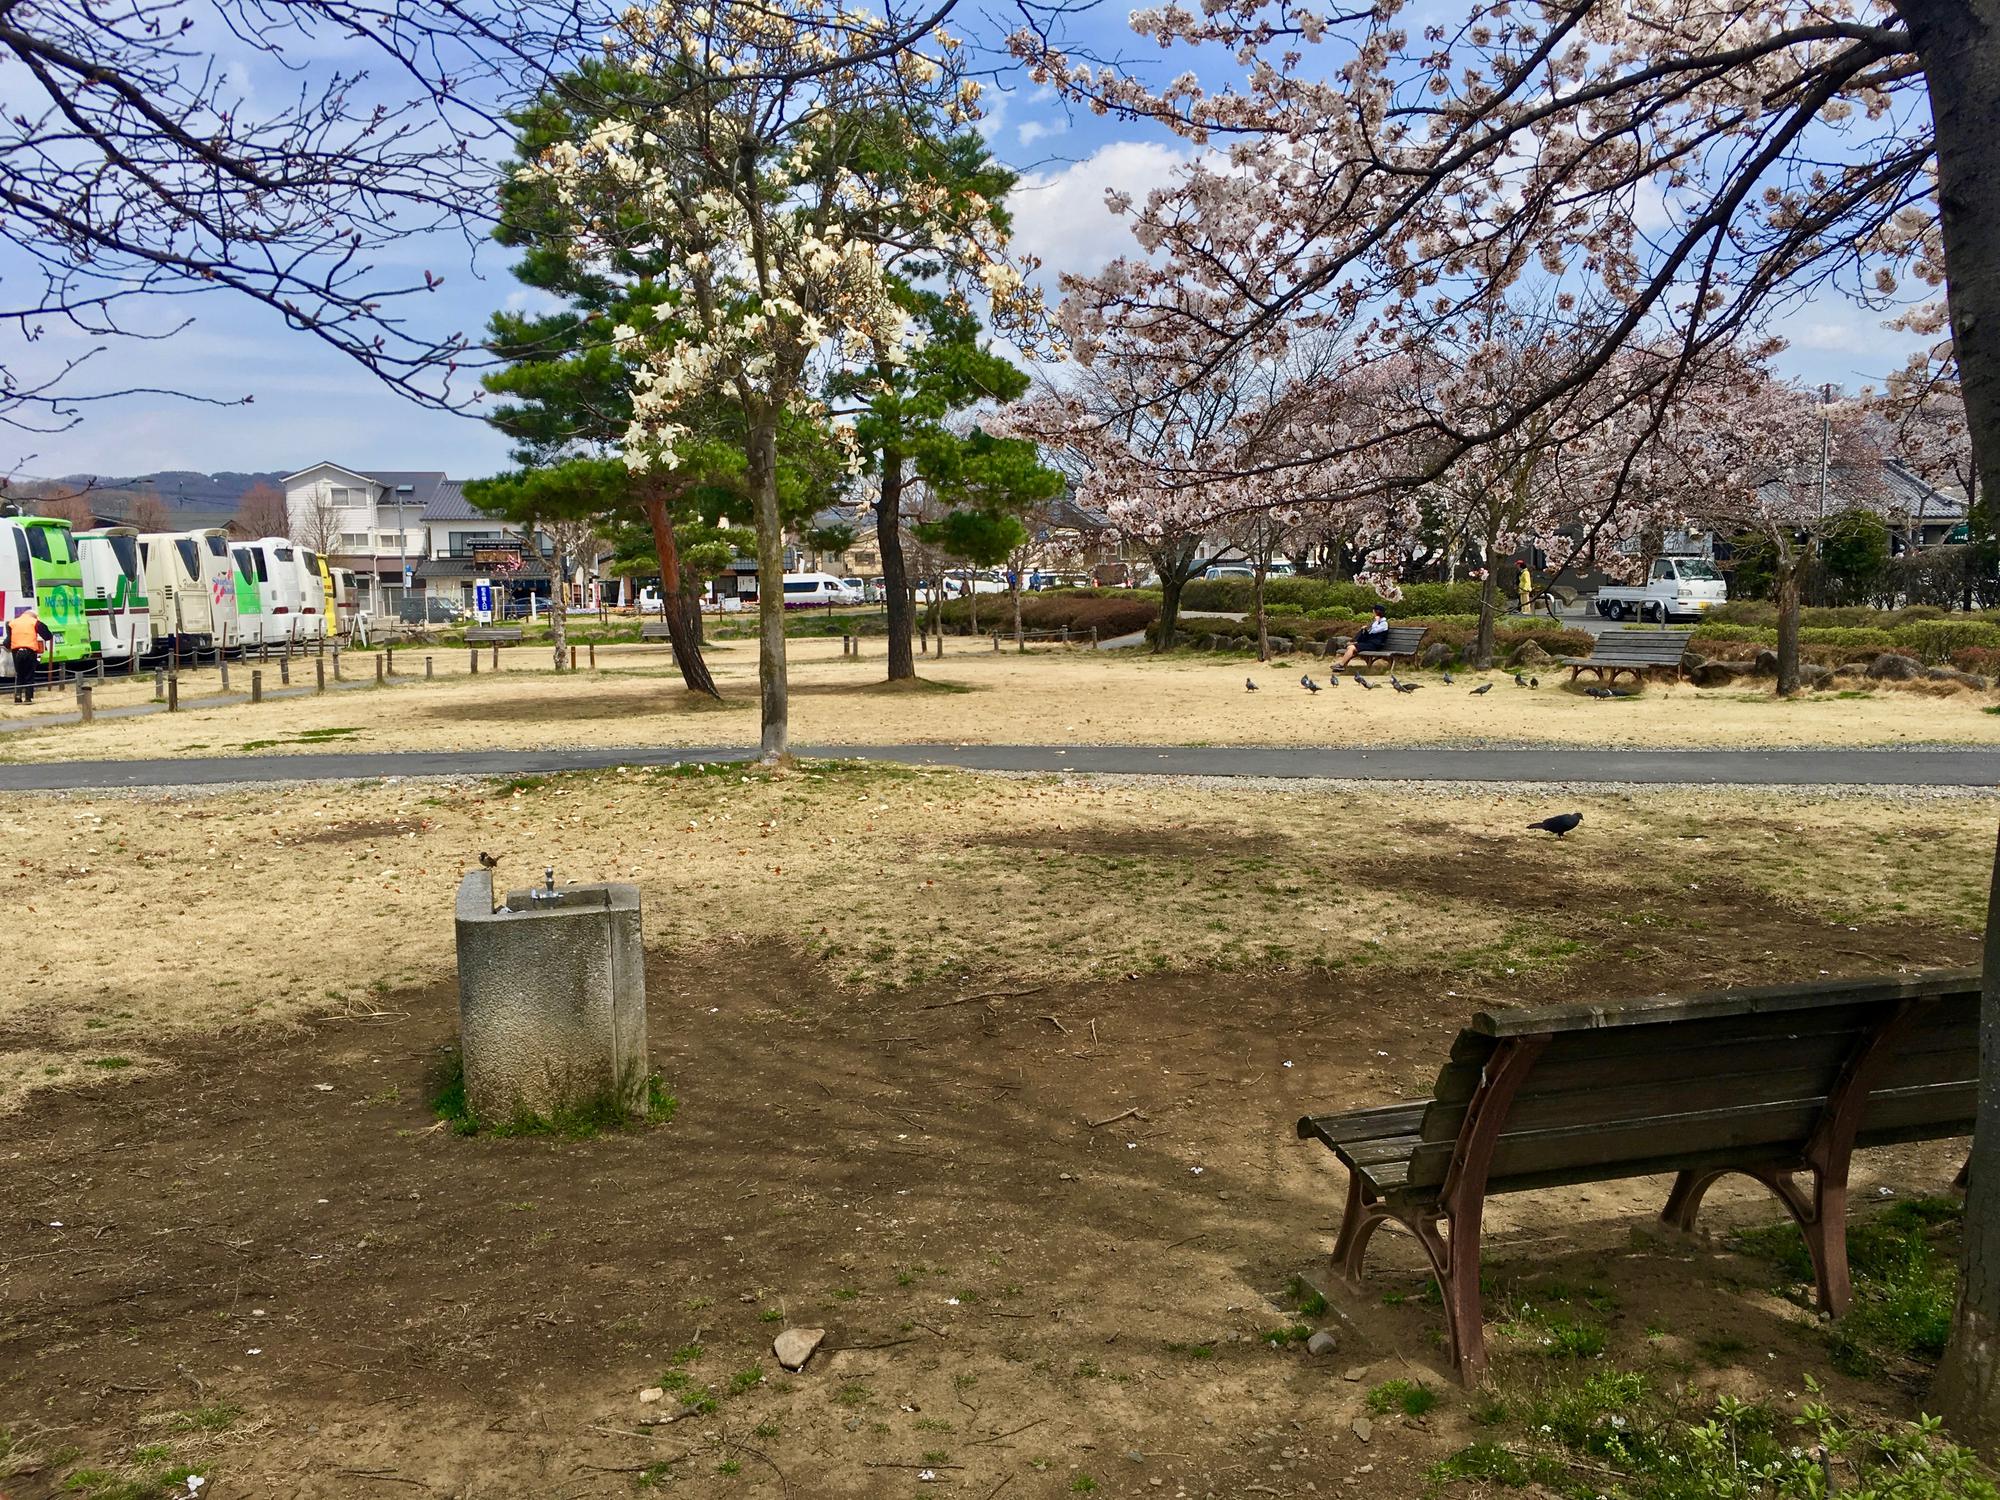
182	487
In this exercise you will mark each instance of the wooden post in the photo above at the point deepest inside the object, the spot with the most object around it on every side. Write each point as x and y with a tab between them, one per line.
336	663
285	669
429	671
475	661
996	643
256	687
223	666
1093	637
593	656
574	653
319	676
381	670
159	682
389	655
173	692
1065	635
496	656
264	651
84	706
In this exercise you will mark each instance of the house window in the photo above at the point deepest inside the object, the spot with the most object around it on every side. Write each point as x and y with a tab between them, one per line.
864	559
354	541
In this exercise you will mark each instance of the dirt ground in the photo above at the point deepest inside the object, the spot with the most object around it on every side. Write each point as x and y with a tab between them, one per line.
971	696
993	1079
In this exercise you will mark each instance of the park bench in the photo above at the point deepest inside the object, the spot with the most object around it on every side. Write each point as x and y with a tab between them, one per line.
1770	1083
1403	640
655	630
494	635
1634	651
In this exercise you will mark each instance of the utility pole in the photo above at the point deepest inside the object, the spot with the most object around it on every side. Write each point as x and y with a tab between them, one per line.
1825	441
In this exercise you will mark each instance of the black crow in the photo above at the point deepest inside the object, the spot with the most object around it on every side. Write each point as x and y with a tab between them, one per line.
1534	682
1484	687
1560	824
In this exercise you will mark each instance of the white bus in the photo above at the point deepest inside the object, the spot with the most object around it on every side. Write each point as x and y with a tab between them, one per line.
177	595
114	593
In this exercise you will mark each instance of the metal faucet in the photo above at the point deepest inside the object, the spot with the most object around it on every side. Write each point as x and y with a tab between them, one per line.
548	892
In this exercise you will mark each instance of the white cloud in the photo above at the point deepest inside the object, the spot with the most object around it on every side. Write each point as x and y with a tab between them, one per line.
1036	130
1059	215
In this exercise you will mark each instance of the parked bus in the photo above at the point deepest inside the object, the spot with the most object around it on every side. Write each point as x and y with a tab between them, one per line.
342	608
275	562
114	593
315	593
56	578
182	607
249	603
218	571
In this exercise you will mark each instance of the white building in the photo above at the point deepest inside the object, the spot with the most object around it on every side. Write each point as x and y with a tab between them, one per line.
371	523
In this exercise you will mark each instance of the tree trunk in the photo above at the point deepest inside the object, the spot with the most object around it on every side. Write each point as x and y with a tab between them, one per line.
1790	567
676	605
901	600
1014	588
1257	608
1482	647
1958	42
559	606
773	697
972	604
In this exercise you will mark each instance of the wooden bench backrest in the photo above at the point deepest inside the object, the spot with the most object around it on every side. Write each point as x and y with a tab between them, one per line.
501	633
1641	647
1686	1082
1403	640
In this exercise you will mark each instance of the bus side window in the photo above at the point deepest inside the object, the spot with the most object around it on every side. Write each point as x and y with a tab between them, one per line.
38	542
21	556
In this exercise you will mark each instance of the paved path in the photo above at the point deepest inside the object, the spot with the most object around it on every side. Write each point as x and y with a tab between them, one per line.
1978	767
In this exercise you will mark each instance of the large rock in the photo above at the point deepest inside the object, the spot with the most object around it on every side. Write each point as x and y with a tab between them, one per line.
1532	655
1436	654
1765	663
1890	667
1964	679
1281	645
796	1345
551	999
1815	676
1720	673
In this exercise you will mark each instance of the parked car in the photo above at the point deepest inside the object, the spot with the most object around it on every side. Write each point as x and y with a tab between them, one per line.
1229	570
804	589
1678	588
958	585
1045	580
430	611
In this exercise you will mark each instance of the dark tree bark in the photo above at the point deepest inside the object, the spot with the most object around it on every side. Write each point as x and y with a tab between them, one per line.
1958	42
678	606
774	697
1791	564
1172	560
1257	605
901	600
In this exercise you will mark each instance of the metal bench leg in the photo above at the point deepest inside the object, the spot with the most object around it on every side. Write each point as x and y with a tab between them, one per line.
1684	1202
1364	1215
1820	1215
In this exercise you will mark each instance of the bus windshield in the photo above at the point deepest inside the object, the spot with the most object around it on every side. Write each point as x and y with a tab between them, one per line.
38	542
126	550
215	546
190	558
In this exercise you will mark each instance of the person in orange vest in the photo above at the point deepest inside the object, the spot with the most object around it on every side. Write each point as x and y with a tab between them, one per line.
25	635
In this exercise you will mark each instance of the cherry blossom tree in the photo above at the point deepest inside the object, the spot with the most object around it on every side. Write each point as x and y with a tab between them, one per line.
750	173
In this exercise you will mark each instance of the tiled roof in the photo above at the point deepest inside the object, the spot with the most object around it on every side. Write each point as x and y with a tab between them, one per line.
532	569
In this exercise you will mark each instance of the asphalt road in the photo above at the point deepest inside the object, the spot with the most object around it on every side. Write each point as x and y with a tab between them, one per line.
1918	768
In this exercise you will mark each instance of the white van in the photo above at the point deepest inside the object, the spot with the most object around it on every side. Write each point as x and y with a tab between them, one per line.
312	593
114	592
274	564
177	593
802	589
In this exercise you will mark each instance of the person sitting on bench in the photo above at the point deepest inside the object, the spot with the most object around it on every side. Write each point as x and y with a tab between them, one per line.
1371	637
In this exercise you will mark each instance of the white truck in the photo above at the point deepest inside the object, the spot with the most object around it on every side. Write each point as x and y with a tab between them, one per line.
1678	588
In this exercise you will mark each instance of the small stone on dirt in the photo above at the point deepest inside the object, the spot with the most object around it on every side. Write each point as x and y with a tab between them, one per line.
650	1394
1364	1429
1322	1343
796	1345
1356	1372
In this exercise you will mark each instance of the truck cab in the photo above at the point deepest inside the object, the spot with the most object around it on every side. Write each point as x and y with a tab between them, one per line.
1676	588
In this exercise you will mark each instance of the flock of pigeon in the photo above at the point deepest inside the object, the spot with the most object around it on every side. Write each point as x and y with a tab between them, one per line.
1558	825
1333	680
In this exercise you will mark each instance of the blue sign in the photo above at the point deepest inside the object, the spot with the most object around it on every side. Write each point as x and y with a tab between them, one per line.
482	598
409	576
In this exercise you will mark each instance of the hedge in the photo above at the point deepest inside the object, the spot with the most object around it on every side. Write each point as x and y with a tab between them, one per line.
1112	611
1455	631
1323	599
1931	640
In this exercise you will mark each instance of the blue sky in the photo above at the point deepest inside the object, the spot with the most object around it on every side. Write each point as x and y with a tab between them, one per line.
312	404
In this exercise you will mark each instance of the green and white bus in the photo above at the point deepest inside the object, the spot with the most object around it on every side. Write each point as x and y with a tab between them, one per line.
44	561
114	593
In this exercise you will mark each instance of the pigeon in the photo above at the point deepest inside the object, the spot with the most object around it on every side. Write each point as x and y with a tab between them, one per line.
1484	687
1534	682
1519	680
1404	687
1598	692
1448	679
1308	684
1250	683
1361	681
1560	824
488	860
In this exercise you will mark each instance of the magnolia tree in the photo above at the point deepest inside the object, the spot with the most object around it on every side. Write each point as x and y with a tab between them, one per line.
749	171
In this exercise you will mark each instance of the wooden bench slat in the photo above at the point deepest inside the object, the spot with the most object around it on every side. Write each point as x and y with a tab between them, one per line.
1651	1010
1364	1124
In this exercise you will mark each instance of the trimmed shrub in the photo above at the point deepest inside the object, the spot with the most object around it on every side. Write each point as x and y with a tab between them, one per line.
1112	611
1320	598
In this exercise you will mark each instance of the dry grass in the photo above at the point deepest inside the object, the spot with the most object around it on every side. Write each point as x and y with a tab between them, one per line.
159	915
1060	698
